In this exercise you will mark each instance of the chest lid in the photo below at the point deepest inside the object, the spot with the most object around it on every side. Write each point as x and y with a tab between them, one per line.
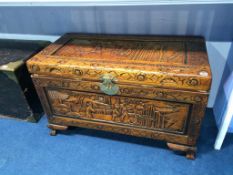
169	62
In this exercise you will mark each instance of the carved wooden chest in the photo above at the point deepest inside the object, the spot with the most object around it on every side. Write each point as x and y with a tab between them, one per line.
18	98
154	87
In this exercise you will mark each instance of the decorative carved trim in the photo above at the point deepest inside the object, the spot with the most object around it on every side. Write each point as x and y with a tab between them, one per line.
159	79
125	90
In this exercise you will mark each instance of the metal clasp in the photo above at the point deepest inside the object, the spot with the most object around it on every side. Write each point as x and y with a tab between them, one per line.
108	85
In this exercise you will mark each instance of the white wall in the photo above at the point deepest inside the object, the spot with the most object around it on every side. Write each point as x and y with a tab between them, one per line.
208	20
218	54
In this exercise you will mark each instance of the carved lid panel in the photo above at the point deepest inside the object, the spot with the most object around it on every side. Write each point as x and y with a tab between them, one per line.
130	51
171	62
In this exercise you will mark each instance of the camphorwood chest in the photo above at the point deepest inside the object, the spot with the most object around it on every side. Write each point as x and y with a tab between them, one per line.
147	86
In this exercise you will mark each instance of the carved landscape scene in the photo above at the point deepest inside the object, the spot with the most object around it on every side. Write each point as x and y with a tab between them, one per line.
149	114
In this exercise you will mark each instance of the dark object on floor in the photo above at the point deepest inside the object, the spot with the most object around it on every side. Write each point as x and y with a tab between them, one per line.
154	87
18	98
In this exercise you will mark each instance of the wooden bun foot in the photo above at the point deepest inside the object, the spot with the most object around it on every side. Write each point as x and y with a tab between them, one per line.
53	132
189	150
54	128
190	155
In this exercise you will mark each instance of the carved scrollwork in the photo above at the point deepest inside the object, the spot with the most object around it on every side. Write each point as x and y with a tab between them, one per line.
55	70
78	72
197	98
160	94
95	87
125	91
65	84
34	68
141	77
165	80
168	81
192	82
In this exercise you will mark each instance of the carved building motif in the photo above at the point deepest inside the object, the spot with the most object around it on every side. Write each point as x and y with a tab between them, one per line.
131	111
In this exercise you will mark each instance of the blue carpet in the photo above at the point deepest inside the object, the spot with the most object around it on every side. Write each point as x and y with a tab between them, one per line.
27	149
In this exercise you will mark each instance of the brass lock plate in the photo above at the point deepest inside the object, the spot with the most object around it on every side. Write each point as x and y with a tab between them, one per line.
108	85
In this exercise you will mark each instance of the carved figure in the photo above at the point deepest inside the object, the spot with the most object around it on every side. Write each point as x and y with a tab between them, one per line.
89	110
116	112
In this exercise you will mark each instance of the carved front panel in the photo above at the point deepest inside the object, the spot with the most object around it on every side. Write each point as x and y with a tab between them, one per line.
149	114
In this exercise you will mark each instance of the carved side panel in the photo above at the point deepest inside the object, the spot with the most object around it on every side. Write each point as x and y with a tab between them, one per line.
149	114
